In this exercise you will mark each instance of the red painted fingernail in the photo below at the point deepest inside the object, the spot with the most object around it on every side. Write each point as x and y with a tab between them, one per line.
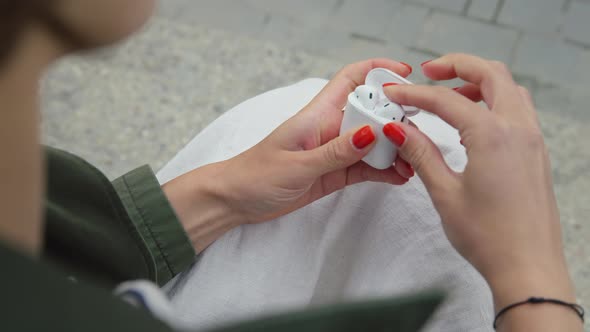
407	66
395	133
389	84
457	88
461	141
425	62
363	137
411	169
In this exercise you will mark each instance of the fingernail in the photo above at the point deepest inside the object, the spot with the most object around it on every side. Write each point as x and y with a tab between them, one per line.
363	137
461	141
412	172
457	88
395	133
410	169
389	84
425	62
407	66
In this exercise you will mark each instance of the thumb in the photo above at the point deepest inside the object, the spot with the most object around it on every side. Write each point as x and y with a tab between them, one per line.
419	150
343	151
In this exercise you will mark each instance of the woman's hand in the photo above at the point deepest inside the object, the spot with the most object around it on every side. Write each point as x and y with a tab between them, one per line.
305	159
500	213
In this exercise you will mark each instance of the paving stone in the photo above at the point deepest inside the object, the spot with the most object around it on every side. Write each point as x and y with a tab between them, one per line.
447	33
222	14
565	101
452	5
369	18
527	82
285	30
324	41
414	59
358	49
532	15
551	60
483	9
309	11
577	23
407	24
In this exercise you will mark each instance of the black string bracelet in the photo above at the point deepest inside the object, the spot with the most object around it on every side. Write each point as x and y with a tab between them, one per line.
536	300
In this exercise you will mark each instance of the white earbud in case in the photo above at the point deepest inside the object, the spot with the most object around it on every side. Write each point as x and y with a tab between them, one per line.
368	105
367	96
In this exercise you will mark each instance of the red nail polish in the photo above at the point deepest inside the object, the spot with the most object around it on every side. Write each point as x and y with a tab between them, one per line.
363	137
457	88
425	62
395	133
461	141
412	172
407	66
389	84
410	169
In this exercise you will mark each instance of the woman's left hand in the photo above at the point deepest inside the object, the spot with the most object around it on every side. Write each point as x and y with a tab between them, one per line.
305	159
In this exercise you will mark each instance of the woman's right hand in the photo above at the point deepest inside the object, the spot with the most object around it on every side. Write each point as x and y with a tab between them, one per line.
500	213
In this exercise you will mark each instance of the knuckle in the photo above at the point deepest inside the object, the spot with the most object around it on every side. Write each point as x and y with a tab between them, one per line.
461	57
534	138
467	58
334	155
346	70
500	66
347	67
525	92
417	157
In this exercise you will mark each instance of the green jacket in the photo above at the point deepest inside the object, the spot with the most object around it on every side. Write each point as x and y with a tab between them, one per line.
99	234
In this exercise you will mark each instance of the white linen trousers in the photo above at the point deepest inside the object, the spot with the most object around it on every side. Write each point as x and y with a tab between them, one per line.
366	241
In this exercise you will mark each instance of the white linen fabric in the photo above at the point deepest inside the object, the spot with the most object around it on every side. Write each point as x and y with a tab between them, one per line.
366	241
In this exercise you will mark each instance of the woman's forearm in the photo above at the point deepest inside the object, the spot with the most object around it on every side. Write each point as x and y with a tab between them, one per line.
199	204
517	285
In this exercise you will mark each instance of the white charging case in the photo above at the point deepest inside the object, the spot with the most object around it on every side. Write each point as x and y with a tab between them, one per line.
384	152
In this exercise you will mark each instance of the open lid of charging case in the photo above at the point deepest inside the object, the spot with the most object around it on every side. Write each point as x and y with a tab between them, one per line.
379	76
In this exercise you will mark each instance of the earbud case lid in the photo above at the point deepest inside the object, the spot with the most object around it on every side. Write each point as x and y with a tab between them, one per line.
379	76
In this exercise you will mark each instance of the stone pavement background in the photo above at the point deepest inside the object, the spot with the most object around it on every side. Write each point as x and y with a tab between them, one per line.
142	101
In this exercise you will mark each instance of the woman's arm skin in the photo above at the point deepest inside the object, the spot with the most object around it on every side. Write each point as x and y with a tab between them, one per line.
303	160
500	213
198	200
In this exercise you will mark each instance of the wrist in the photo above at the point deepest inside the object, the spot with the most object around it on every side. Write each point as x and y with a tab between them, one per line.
199	201
516	285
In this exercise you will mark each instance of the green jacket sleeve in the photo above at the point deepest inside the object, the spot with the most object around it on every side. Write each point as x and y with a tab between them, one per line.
155	223
111	232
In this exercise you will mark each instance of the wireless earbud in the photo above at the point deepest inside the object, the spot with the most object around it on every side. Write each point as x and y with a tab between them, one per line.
367	104
368	96
390	111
